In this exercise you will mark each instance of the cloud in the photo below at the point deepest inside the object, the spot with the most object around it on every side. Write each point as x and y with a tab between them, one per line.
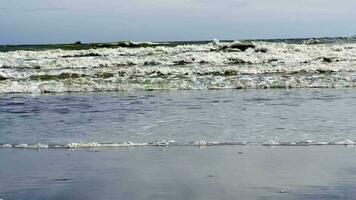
240	4
44	9
172	19
228	3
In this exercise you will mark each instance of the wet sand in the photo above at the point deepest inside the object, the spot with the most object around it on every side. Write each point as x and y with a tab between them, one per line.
223	172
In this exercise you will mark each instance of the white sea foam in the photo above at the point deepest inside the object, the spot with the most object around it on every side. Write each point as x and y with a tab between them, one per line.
207	66
39	146
270	143
199	143
21	146
345	142
164	143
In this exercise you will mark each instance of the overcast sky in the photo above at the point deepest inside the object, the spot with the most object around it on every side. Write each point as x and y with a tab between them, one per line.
61	21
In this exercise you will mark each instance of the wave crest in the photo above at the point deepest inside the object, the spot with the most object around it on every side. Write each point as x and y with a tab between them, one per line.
214	65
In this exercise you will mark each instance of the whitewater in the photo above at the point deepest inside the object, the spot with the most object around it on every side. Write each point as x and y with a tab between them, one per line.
180	66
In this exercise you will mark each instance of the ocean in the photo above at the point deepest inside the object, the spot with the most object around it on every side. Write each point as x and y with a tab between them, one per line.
311	63
259	119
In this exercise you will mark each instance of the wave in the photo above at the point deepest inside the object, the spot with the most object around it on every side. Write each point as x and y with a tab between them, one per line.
81	46
135	44
164	143
214	65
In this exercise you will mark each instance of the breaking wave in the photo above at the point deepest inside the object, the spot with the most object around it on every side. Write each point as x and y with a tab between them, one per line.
164	143
154	66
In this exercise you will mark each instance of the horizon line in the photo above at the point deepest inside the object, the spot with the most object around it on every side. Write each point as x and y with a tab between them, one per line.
182	41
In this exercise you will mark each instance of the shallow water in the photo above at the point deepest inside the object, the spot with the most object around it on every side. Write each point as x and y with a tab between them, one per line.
187	117
196	144
228	172
181	140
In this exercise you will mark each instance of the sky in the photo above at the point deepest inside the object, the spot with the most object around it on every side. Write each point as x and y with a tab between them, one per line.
67	21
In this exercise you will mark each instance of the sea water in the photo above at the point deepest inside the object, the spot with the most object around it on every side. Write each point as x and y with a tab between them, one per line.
179	118
172	66
194	120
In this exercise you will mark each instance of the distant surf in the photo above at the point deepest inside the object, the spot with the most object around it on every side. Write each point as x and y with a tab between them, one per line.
125	66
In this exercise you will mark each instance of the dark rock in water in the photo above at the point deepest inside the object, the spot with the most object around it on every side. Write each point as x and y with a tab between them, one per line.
241	45
77	42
